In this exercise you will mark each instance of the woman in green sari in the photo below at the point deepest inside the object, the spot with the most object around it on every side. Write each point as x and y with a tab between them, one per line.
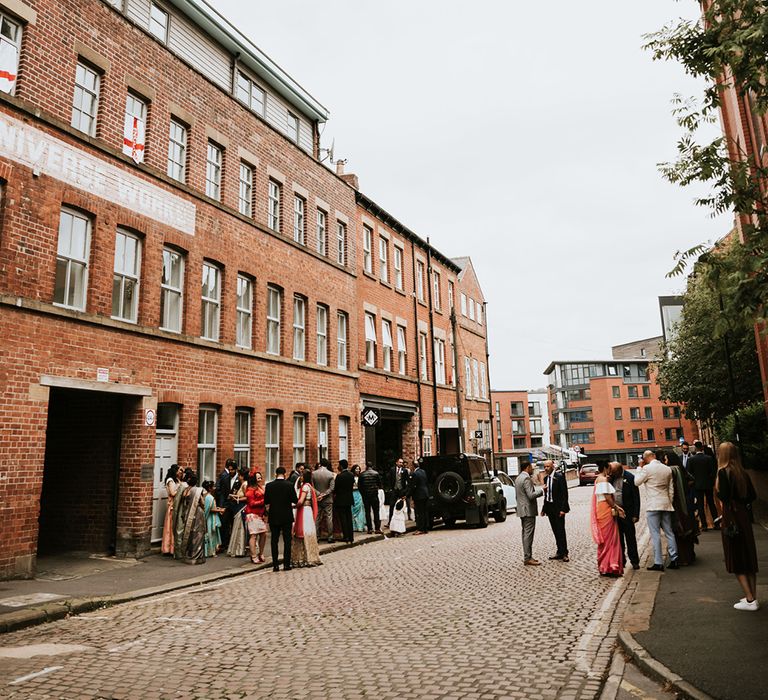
190	523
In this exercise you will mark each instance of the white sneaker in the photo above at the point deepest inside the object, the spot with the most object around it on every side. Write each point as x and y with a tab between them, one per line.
743	604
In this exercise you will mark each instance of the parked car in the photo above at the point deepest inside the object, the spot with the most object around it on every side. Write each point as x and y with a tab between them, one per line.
461	488
507	487
587	474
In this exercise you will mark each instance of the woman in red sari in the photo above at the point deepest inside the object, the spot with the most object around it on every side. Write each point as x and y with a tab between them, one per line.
255	516
304	549
605	529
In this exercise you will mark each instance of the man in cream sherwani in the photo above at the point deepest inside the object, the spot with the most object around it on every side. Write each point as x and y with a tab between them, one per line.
659	492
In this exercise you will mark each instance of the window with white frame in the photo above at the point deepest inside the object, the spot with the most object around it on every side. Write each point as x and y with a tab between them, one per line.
322	437
213	164
479	313
298	220
450	295
423	366
85	104
341	340
397	264
158	23
245	190
292	127
322	334
436	289
475	378
72	259
243	437
125	282
471	308
401	350
368	249
10	47
386	345
438	348
322	232
210	311
463	299
420	280
274	297
483	384
383	259
467	378
454	371
135	127
299	438
370	340
299	327
341	243
427	445
172	291
272	446
273	205
250	94
177	151
343	437
207	426
244	328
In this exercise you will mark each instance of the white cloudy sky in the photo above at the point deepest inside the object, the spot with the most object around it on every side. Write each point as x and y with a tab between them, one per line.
524	134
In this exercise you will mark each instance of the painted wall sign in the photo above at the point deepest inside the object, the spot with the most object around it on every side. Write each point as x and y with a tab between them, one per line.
46	154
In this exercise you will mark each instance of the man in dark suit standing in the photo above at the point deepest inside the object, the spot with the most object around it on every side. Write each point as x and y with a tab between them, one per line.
419	491
556	506
279	497
343	488
224	485
369	483
627	496
399	476
703	469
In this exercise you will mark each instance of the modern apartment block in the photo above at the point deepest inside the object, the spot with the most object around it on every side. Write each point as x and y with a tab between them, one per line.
521	421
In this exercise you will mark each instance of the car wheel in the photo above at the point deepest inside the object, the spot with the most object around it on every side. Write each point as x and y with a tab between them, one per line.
449	521
582	483
483	508
501	512
449	487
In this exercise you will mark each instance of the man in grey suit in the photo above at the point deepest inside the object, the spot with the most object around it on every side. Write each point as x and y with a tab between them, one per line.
323	480
527	510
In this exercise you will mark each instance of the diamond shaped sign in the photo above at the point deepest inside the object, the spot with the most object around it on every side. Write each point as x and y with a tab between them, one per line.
371	417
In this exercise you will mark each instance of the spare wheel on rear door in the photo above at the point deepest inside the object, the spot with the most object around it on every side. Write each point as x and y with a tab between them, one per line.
449	487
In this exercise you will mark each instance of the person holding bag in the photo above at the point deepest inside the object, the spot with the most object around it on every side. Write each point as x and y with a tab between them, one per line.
735	491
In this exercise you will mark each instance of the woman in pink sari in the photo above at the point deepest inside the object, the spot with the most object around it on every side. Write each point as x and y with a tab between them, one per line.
605	529
304	549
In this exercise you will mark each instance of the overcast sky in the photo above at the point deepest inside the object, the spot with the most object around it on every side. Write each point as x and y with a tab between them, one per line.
523	134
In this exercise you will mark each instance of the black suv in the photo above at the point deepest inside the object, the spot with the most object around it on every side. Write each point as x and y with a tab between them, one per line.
460	488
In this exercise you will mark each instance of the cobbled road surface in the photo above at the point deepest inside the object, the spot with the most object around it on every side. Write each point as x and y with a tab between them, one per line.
450	615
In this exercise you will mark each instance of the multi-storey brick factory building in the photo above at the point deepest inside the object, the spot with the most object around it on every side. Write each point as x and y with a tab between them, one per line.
179	273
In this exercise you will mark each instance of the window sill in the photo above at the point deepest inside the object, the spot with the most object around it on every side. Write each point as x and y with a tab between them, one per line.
370	275
385	283
400	291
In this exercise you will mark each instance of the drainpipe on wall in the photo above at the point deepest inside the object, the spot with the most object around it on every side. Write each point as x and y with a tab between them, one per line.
416	336
488	381
436	432
457	383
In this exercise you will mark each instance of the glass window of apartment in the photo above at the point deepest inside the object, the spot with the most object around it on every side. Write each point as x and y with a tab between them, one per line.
322	437
85	104
299	438
274	299
534	408
476	376
341	243
612	371
10	45
420	280
479	313
273	205
245	190
483	386
343	437
397	265
467	377
386	345
370	340
632	392
72	260
158	23
423	366
519	443
651	434
125	282
438	349
383	259
454	372
648	413
427	445
471	308
243	437
272	445
207	423
617	415
172	291
436	290
619	436
299	234
401	350
646	391
634	413
341	340
177	151
211	302
322	232
292	127
516	408
322	335
134	127
535	426
367	249
299	327
637	435
213	163
616	392
244	329
627	369
450	295
250	94
517	427
463	303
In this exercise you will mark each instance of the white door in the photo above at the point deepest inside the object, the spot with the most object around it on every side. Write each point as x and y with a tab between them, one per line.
165	456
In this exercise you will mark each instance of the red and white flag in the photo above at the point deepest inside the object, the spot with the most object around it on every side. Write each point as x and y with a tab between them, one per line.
9	65
133	138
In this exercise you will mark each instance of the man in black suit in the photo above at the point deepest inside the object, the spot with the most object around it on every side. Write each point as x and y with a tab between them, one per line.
556	506
627	496
224	485
279	497
703	469
343	488
369	483
419	492
398	479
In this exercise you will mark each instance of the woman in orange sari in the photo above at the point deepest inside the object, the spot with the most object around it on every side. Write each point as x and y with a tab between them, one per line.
171	487
304	549
605	529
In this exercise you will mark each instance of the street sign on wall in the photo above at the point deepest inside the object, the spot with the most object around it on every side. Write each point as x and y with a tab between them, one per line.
371	417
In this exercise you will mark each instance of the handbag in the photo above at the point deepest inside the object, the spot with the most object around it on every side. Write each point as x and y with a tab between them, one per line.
732	531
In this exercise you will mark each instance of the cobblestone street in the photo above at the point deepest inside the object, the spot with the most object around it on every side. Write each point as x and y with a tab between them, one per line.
451	615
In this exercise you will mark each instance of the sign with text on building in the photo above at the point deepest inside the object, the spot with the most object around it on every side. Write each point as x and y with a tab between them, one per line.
45	154
371	417
102	374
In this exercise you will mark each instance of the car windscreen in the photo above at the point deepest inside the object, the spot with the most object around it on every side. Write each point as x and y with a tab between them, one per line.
477	469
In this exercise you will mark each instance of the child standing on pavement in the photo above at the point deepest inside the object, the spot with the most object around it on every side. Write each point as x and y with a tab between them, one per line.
397	522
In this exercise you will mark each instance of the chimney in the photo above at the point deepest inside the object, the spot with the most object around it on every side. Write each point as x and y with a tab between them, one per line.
350	178
340	167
